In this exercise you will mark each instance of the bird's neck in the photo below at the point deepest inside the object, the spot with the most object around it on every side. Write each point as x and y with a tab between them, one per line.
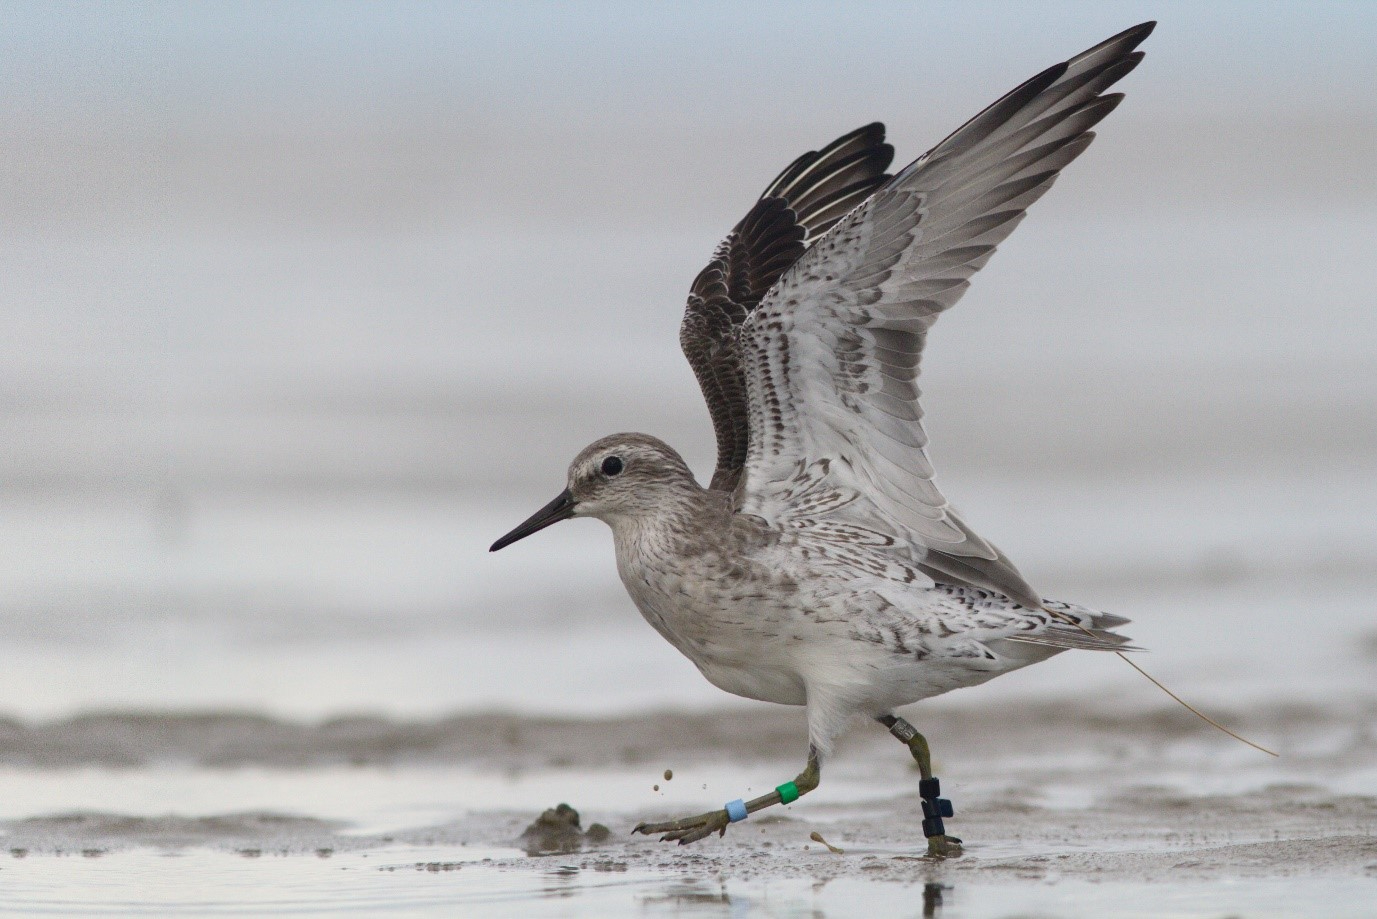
671	523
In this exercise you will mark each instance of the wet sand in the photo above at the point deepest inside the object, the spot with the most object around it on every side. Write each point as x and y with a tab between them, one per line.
1077	811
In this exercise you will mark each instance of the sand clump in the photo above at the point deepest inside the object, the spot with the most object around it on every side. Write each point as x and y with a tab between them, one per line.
557	831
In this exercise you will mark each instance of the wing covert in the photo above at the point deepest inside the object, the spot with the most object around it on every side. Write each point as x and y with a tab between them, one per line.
802	203
832	352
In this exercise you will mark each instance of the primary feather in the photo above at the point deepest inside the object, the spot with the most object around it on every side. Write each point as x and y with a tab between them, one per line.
806	329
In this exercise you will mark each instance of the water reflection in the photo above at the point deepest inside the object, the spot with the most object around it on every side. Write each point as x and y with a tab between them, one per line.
932	898
402	881
692	896
691	892
560	882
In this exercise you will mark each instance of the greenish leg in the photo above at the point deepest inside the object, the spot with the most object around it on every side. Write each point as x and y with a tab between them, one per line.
935	807
692	829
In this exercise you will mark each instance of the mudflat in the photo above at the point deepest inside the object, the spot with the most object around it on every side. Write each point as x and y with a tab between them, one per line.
1066	810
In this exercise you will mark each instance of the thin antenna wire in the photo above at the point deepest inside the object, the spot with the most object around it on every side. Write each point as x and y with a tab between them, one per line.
1155	682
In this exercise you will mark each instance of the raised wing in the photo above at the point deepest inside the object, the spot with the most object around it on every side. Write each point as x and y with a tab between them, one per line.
831	354
801	204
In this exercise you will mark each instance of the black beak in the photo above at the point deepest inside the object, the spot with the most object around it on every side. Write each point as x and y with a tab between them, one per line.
562	508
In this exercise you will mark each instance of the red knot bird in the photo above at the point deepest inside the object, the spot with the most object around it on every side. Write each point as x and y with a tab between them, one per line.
821	566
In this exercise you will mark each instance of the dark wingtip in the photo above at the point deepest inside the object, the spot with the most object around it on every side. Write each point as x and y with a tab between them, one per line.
1140	32
1133	36
1116	46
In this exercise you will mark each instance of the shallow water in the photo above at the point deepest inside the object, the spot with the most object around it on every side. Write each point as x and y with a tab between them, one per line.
426	882
1064	813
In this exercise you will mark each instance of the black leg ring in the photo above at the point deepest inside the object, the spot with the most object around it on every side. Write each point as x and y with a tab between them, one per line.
934	807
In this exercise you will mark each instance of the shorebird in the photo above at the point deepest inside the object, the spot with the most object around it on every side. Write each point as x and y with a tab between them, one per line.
821	566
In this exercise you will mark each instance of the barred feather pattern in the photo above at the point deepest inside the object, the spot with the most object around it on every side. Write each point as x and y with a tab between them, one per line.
801	204
831	354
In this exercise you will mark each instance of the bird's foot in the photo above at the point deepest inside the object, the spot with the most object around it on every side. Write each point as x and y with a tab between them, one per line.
943	846
688	829
935	808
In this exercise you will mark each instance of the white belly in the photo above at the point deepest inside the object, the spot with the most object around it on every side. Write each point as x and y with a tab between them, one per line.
768	626
741	647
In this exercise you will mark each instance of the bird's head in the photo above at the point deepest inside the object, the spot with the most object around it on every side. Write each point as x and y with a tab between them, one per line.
620	477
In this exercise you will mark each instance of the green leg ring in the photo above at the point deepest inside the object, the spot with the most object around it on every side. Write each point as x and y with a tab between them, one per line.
788	793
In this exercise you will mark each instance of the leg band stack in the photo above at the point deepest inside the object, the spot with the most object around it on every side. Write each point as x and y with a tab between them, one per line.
934	807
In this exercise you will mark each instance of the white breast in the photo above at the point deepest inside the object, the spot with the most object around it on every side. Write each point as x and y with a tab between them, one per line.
735	629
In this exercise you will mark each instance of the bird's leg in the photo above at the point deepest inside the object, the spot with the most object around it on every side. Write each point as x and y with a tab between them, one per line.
935	807
692	829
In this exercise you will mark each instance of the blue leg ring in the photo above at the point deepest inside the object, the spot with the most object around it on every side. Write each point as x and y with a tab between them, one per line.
736	810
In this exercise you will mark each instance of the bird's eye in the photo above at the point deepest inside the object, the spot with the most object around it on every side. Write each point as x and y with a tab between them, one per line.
612	466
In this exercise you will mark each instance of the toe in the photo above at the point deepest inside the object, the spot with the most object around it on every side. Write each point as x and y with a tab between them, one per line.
655	829
702	832
943	847
663	830
687	830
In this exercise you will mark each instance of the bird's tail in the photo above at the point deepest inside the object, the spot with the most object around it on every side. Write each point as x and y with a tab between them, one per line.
1094	633
1078	627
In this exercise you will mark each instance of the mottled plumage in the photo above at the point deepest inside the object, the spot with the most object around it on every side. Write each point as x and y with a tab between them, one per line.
800	205
809	614
822	566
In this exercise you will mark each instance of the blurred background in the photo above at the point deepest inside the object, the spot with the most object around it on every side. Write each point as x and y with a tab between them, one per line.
303	304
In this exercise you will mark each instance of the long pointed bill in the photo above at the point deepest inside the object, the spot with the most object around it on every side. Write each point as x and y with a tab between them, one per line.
562	508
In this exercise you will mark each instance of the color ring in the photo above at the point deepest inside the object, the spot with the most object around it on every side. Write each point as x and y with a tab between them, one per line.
736	810
788	793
